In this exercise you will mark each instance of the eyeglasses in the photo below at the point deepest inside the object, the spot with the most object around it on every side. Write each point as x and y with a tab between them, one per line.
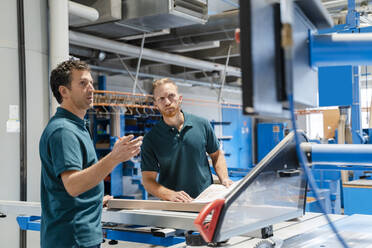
171	97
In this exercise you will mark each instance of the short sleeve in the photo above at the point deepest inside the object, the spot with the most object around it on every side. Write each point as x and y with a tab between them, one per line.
65	151
212	144
148	158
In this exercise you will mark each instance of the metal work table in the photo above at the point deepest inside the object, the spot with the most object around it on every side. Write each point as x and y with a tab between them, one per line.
310	230
176	220
355	229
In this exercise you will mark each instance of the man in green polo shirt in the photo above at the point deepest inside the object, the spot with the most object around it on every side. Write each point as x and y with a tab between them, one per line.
71	175
176	149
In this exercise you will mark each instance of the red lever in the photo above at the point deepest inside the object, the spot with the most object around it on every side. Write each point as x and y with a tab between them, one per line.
207	229
237	35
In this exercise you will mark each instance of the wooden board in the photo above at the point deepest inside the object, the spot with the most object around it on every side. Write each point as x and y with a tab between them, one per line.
155	205
330	122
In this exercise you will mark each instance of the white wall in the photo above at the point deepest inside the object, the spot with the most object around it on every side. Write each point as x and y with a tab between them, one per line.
37	107
9	142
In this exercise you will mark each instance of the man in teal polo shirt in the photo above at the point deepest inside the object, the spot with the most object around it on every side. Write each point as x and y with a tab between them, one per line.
71	175
176	149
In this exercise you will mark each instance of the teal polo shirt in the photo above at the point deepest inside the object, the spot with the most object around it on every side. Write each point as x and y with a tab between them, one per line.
180	158
68	221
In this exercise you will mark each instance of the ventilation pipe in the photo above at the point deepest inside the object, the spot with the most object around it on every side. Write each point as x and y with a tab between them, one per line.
58	40
78	11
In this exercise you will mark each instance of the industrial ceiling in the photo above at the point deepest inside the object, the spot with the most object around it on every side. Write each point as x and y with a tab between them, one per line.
192	40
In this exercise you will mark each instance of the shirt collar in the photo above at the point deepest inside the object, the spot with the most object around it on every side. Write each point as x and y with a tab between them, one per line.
61	112
187	122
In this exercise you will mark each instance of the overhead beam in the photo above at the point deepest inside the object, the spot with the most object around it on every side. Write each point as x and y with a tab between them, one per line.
195	39
181	71
217	53
179	81
91	41
234	61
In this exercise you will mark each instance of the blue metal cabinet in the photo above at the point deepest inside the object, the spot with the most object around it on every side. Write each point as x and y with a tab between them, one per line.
240	145
358	197
268	136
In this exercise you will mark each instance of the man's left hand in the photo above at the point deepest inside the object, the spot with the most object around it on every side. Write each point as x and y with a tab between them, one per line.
227	182
106	198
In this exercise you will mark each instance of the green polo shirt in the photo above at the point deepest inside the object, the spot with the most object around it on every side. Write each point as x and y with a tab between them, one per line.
68	221
180	158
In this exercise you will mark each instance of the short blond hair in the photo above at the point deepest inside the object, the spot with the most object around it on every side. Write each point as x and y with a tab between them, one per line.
159	82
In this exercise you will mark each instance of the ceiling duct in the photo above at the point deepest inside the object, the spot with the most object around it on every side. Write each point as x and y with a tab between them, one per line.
161	14
139	16
109	10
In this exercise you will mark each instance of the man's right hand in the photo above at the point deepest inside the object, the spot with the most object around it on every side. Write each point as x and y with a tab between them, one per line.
125	148
179	196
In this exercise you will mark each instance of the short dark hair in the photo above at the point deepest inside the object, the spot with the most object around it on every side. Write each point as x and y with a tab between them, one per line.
61	75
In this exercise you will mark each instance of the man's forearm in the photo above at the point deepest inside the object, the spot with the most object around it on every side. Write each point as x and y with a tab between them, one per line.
221	171
78	182
219	165
158	190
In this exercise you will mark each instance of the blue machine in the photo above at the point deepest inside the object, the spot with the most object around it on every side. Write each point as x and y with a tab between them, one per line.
268	136
328	160
339	52
144	238
329	184
354	191
238	147
114	233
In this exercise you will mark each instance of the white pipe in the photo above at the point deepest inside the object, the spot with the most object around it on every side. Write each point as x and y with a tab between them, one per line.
82	11
139	63
335	4
354	37
178	81
91	41
58	39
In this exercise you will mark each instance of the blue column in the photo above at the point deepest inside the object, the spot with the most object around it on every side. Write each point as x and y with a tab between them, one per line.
102	82
352	18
